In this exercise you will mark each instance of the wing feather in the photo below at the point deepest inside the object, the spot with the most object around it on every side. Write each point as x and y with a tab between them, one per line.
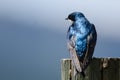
73	54
91	42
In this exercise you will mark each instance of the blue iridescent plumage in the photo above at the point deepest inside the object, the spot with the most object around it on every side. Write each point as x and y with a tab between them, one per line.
81	41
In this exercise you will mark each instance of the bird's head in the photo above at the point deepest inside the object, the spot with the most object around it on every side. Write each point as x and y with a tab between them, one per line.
74	16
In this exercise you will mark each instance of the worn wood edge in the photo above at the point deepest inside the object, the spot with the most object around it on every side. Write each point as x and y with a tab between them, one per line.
106	57
64	59
96	58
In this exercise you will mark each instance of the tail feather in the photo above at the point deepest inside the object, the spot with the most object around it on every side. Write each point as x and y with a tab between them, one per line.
83	74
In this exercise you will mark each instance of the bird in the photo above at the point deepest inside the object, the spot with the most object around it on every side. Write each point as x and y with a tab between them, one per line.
81	41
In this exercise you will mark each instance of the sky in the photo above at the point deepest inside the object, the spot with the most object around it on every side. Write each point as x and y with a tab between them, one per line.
33	35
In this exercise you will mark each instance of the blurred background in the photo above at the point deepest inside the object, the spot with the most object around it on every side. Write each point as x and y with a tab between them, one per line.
33	35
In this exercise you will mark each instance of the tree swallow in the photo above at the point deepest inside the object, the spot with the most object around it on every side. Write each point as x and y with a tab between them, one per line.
81	41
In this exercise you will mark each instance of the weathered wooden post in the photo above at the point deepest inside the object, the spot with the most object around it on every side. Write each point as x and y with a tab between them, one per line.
66	69
99	69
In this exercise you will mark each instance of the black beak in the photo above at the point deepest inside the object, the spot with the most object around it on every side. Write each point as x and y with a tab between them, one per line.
66	18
